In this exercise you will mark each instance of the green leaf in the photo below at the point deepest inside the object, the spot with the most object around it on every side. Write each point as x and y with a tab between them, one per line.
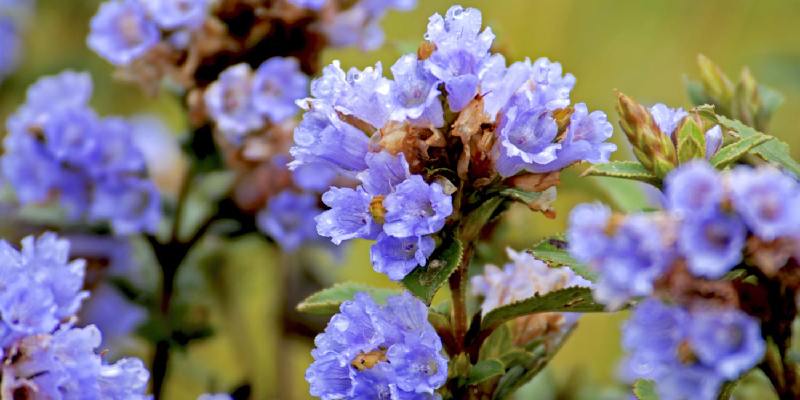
770	101
553	251
736	150
691	141
327	301
425	281
772	150
497	344
484	370
645	390
631	170
627	196
523	196
573	299
474	222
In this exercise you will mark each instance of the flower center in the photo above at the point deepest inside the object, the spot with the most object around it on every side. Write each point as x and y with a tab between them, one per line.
368	360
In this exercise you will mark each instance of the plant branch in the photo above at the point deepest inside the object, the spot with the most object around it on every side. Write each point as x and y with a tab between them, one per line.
458	289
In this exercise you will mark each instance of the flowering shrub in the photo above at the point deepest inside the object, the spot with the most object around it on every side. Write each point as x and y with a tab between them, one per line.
423	160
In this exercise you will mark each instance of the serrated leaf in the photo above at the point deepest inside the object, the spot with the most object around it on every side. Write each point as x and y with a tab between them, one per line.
327	301
645	390
474	222
572	299
484	370
553	251
736	150
772	150
425	281
627	196
497	344
631	170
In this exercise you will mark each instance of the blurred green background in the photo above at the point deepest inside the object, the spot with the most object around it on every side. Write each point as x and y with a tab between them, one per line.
643	48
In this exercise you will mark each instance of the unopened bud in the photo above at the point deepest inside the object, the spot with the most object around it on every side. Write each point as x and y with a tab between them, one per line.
716	83
654	149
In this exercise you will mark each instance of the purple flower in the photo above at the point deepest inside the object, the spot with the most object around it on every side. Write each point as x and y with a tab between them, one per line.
694	189
49	96
362	94
667	119
177	14
64	365
416	208
229	101
72	136
315	177
728	341
215	396
369	351
767	201
384	172
121	31
132	205
277	84
289	219
552	86
397	257
689	354
416	94
309	4
635	256
119	154
349	216
526	139
321	137
461	49
651	338
712	244
40	286
587	234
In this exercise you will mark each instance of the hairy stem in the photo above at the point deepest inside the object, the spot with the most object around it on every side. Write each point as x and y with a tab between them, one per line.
458	289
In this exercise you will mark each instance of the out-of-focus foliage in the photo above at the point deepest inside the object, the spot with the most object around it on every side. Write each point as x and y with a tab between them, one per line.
641	48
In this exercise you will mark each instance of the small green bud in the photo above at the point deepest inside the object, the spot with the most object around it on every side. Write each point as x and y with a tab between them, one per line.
717	85
654	149
690	136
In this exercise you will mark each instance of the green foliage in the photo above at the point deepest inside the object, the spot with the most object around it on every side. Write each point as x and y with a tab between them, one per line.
738	149
645	390
485	370
498	344
553	251
327	301
627	196
631	170
573	299
425	281
474	222
772	150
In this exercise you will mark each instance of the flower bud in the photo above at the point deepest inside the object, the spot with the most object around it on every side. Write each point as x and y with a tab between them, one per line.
654	149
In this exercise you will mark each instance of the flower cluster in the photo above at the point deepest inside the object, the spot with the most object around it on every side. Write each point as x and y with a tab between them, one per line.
370	351
525	277
454	106
44	355
399	210
57	146
356	25
712	221
242	101
123	31
690	353
668	120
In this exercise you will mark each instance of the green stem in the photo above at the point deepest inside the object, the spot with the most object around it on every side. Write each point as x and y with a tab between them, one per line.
458	291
